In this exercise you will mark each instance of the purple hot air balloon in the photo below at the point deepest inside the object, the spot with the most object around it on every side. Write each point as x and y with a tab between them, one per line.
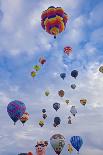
15	110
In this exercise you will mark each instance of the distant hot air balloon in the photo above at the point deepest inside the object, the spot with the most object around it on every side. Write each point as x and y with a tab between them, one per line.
101	69
61	93
41	123
70	149
67	50
33	74
74	73
69	120
44	116
63	75
73	86
53	20
67	102
76	142
73	110
56	106
83	101
57	141
30	153
41	147
16	109
47	93
42	60
43	110
24	118
37	67
57	121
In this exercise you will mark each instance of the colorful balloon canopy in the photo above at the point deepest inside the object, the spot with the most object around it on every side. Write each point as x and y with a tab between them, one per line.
33	74
37	67
56	106
24	118
76	142
15	110
47	93
67	50
57	121
83	101
61	93
74	73
41	123
53	20
101	69
57	141
63	75
42	60
73	86
70	149
73	110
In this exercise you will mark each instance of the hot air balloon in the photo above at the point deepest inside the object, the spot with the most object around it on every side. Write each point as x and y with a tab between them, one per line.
70	149
42	60
61	93
53	20
57	142
24	118
23	154
43	110
69	120
67	102
74	73
73	110
44	116
101	69
41	123
41	147
47	93
37	67
67	50
15	110
57	121
63	75
33	74
56	106
30	153
76	142
73	86
83	101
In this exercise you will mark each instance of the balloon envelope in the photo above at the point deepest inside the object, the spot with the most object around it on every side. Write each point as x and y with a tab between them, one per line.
67	50
101	69
74	73
16	109
73	110
76	142
56	106
57	141
63	75
73	86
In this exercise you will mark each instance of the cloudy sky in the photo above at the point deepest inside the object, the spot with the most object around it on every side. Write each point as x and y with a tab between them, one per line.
22	43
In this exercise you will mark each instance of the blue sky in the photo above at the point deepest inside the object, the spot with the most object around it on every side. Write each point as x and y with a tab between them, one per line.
22	43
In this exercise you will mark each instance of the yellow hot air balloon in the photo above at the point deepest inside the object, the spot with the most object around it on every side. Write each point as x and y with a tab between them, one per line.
41	123
47	93
70	149
101	69
33	74
83	101
24	118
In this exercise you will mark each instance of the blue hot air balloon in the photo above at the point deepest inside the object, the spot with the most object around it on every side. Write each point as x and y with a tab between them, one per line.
74	73
76	142
56	106
15	110
63	75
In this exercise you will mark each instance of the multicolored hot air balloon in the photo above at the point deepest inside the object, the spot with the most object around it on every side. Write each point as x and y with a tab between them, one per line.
24	118
67	50
33	74
74	73
73	110
70	149
42	60
63	75
53	20
56	106
101	69
76	142
61	93
57	142
83	101
41	147
15	110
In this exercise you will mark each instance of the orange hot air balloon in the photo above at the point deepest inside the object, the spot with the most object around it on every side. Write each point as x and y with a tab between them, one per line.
53	20
61	93
24	118
67	50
